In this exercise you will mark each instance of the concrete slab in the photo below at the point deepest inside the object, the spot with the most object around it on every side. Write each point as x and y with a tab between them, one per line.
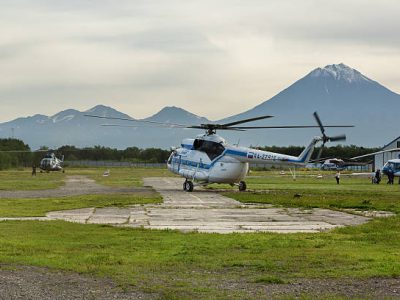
205	211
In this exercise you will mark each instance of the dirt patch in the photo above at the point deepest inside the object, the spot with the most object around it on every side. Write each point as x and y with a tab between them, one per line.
372	288
42	283
75	185
23	282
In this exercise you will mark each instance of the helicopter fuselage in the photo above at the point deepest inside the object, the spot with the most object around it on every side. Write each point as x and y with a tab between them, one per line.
209	159
51	163
392	166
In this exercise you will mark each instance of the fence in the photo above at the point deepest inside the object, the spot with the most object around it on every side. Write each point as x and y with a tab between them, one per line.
101	163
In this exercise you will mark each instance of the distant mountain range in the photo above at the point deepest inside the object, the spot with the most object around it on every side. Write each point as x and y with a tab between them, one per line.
340	94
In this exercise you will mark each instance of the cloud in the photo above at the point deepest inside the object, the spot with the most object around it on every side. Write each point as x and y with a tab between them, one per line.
214	58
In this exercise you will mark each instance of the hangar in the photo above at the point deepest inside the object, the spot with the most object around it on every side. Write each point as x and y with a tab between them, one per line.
381	158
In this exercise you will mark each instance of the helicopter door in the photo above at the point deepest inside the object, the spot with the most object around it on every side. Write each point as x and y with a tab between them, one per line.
177	163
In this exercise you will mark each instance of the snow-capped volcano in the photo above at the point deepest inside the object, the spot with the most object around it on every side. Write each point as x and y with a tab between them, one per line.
339	72
340	94
64	116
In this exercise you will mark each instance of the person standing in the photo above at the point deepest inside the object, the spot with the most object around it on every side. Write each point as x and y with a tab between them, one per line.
337	177
378	176
33	170
390	175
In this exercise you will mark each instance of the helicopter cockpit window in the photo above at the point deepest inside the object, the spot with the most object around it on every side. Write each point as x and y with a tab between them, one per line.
390	165
212	149
173	154
46	162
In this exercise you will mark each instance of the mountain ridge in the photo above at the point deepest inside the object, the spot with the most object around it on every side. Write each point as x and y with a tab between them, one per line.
339	93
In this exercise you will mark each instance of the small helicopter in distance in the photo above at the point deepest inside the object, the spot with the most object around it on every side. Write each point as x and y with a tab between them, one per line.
208	158
336	164
51	163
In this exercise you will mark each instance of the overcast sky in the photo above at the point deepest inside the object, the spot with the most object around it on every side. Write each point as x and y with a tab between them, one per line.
213	58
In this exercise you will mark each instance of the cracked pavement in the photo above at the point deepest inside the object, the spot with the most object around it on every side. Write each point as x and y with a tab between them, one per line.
207	211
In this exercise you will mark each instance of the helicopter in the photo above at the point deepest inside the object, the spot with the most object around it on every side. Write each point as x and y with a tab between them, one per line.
51	163
209	158
336	164
391	166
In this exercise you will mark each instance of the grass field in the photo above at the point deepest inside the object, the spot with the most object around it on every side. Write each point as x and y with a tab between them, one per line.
23	180
188	265
120	177
37	207
308	191
178	265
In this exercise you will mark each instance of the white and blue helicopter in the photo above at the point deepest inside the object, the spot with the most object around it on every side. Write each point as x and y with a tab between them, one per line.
391	166
208	158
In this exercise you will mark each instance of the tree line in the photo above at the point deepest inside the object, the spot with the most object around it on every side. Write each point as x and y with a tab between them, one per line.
22	156
15	153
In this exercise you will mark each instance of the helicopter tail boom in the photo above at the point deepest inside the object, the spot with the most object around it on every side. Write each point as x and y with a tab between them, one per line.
305	156
259	156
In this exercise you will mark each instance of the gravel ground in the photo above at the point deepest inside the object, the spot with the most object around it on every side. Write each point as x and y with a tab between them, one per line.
372	288
41	283
74	185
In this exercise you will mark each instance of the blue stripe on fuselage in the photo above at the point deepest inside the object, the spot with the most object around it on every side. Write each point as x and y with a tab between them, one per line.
236	152
191	163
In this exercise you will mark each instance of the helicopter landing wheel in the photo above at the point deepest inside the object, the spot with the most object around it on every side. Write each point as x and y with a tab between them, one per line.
242	186
188	186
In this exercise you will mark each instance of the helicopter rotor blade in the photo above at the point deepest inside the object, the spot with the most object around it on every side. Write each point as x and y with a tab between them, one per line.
320	151
321	127
337	138
23	151
143	126
245	121
290	126
212	127
133	120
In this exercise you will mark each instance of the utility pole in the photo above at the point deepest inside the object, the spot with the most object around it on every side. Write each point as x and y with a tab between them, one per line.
12	132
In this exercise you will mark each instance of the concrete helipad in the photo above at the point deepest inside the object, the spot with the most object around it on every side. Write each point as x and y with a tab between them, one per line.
206	211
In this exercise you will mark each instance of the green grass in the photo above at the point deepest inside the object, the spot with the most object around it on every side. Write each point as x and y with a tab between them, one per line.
309	191
23	180
119	177
194	265
37	207
179	265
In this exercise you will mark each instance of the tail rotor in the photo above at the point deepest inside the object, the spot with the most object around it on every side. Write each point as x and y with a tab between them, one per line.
324	137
